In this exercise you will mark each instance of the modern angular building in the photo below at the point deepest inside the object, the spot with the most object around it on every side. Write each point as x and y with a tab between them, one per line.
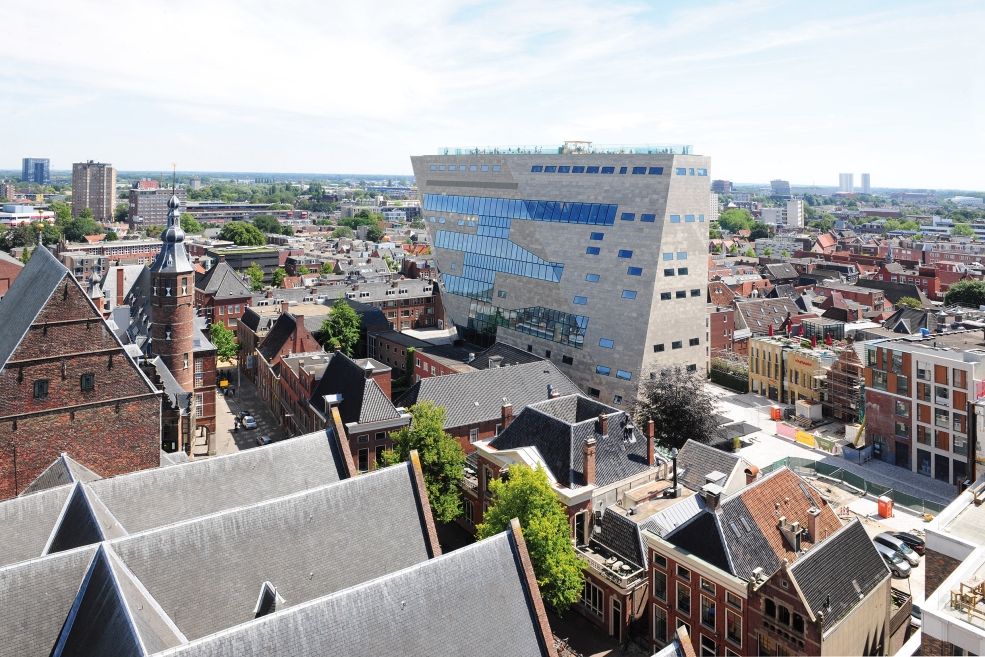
36	170
593	257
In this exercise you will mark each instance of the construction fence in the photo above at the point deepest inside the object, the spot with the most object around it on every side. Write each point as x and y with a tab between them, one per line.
810	467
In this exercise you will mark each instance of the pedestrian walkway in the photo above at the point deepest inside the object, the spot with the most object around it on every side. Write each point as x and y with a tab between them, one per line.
242	397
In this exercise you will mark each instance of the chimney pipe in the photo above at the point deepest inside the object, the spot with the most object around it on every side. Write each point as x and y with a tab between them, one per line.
222	257
603	424
588	461
751	473
812	515
673	457
650	443
119	286
284	305
507	413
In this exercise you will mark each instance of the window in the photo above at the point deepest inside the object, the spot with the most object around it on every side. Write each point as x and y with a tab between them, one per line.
603	370
657	348
624	253
682	255
628	216
675	218
567	360
594	392
733	600
680	294
656	171
669	271
617	399
536	168
902	409
639	170
634	271
577	169
648	218
592	598
689	218
702	172
690	172
40	388
550	169
665	296
608	344
923	370
441	168
677	344
629	294
485	167
623	169
942	418
597	236
502	294
659	624
624	375
433	167
733	627
185	361
593	250
694	342
473	435
668	256
798	623
960	379
581	301
380	435
708	611
902	430
769	608
608	169
495	167
696	292
473	167
364	459
684	599
592	278
87	381
363	439
592	170
782	615
680	171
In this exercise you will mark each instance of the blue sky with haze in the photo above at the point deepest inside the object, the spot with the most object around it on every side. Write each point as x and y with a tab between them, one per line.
794	90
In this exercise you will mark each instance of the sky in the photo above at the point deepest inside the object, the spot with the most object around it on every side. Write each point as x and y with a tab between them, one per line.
768	89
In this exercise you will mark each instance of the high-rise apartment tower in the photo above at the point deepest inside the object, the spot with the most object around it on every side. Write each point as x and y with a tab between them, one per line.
866	188
36	170
94	187
846	183
593	257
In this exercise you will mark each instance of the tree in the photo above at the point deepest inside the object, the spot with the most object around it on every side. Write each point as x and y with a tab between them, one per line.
287	230
326	268
962	230
242	234
255	272
418	223
679	405
442	458
784	253
86	213
910	302
750	253
374	233
121	213
759	230
342	231
77	229
735	220
51	234
26	256
734	249
267	224
969	293
190	224
111	236
303	271
526	494
767	251
224	341
278	276
341	327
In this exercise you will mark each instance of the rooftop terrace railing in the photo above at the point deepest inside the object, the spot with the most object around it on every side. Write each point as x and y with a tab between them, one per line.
573	148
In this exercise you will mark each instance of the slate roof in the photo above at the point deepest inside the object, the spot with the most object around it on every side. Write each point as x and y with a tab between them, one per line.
559	429
474	397
420	610
826	585
510	356
64	470
362	399
28	522
696	460
622	536
26	297
893	291
757	315
702	537
665	521
280	333
782	271
222	282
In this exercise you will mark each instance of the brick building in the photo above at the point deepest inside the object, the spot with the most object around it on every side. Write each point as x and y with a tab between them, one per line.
408	303
429	359
66	383
221	295
10	267
287	336
149	204
299	375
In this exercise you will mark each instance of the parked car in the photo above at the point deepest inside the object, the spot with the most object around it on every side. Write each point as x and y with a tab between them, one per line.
245	414
904	550
264	440
249	422
916	617
914	541
897	564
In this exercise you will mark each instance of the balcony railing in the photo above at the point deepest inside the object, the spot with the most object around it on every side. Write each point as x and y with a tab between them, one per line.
621	573
572	148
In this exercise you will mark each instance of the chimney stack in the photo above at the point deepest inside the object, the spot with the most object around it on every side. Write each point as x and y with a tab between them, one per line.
650	446
119	286
551	392
603	424
270	294
222	257
507	413
812	516
284	305
751	473
588	461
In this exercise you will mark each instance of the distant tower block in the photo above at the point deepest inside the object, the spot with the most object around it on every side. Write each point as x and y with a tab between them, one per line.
866	188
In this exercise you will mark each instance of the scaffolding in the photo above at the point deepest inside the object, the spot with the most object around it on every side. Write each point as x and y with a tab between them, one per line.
843	398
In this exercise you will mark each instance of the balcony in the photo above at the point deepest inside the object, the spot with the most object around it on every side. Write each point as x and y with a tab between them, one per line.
572	148
623	574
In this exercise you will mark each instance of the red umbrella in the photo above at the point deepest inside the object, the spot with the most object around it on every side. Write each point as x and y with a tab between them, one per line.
789	327
828	341
813	341
770	333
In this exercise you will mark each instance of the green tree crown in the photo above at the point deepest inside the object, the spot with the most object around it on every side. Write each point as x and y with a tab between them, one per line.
341	327
255	272
224	340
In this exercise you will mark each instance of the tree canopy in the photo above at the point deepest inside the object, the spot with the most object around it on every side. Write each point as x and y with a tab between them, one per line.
910	302
267	224
971	293
374	233
303	271
342	231
735	220
111	236
224	341
121	213
189	223
526	494
679	405
442	458
255	272
77	229
278	276
242	234
341	327
962	230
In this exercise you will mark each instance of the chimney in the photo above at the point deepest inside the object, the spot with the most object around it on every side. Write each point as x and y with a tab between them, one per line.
507	413
812	516
270	294
551	392
712	495
650	446
751	473
495	361
603	424
119	286
298	326
222	257
588	461
284	305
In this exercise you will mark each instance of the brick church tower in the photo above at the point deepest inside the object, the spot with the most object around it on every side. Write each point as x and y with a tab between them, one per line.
172	298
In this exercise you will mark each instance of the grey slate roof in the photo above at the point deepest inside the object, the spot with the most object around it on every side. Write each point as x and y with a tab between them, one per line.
64	470
510	356
222	282
559	428
702	537
622	536
473	601
28	522
362	399
222	482
281	332
474	397
173	458
822	578
26	297
696	460
675	515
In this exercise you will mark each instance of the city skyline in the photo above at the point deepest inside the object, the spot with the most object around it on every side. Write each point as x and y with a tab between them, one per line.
766	88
